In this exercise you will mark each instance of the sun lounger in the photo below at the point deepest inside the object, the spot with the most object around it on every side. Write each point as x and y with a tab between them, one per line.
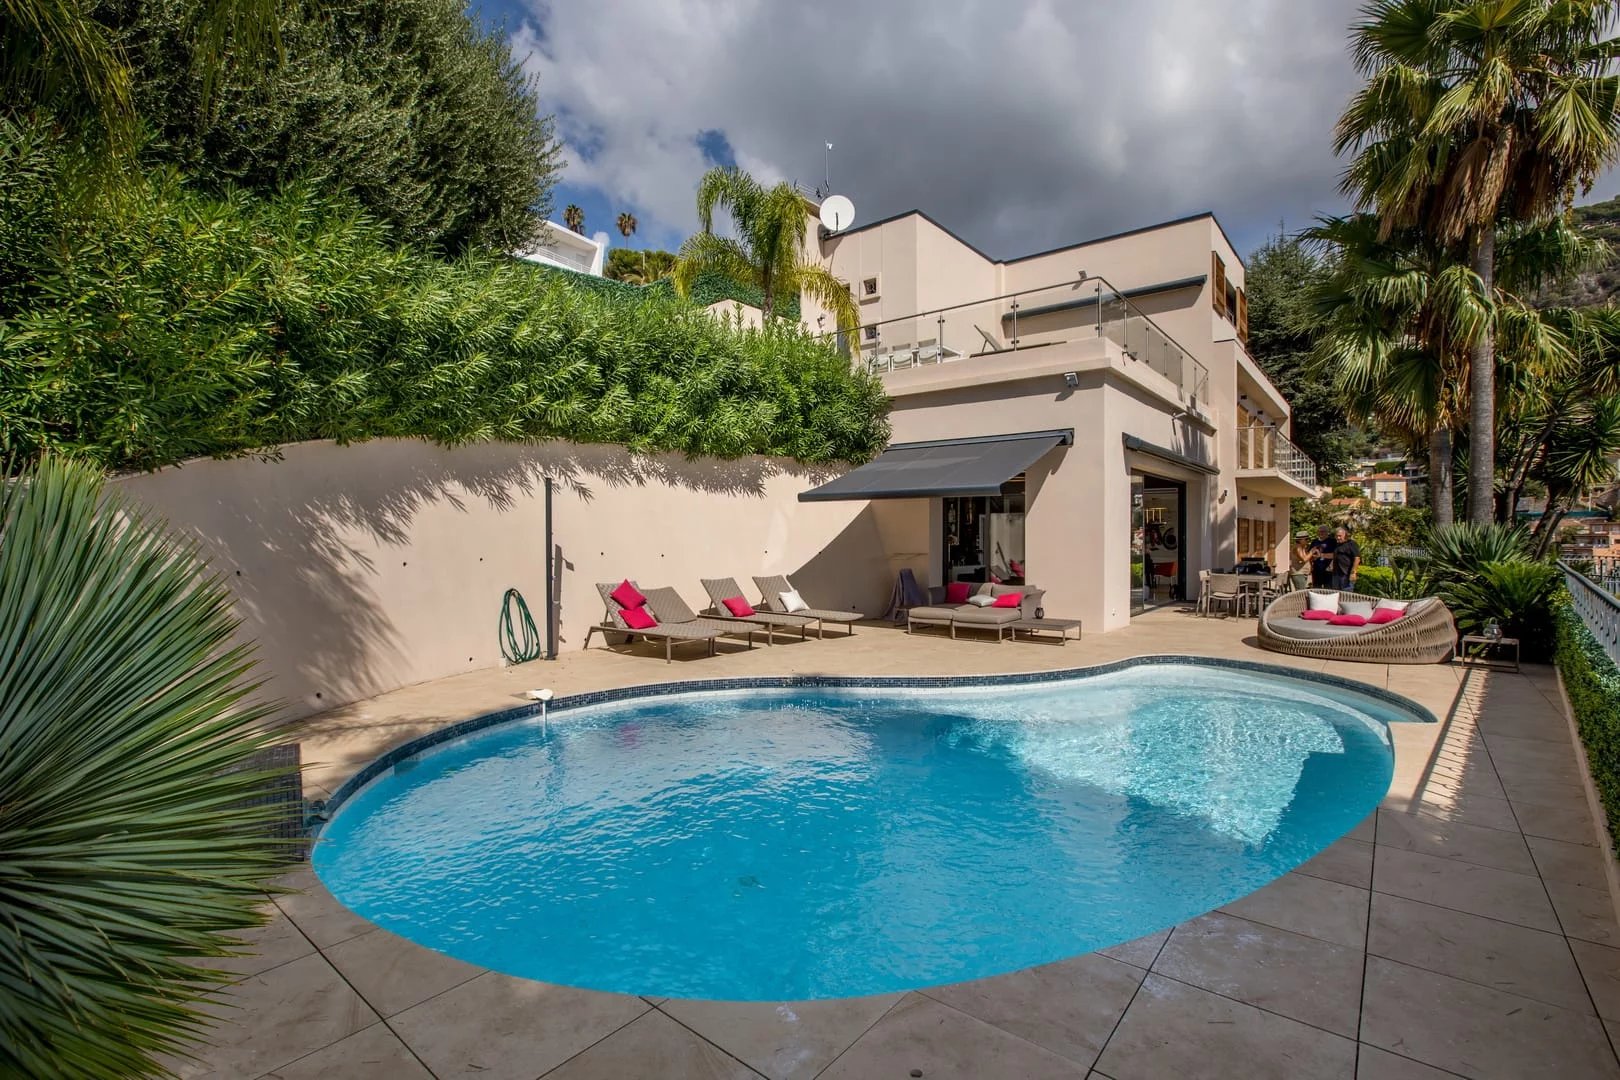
722	589
669	635
670	610
770	590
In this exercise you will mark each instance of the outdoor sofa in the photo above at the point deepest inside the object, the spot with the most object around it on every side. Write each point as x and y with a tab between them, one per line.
770	593
1426	634
967	615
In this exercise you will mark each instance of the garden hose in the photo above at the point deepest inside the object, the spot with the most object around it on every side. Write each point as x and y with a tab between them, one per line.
512	649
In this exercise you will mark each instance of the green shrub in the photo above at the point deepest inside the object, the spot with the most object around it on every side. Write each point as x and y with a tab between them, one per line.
1593	685
161	323
1515	594
1457	551
130	842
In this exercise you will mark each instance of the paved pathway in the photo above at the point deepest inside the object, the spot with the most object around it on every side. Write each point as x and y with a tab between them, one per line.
1466	928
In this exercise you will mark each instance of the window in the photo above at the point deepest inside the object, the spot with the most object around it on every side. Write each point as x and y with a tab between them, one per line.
869	288
1242	317
869	333
1217	280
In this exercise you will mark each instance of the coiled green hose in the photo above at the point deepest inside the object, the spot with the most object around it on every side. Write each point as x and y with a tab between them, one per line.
529	648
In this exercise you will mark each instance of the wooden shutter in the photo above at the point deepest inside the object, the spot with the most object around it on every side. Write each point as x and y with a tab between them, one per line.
1242	317
1217	279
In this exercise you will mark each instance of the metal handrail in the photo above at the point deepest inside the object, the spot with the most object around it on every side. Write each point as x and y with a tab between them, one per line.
1597	607
1266	447
1195	387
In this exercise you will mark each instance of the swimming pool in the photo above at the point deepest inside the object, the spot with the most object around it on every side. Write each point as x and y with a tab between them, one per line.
779	843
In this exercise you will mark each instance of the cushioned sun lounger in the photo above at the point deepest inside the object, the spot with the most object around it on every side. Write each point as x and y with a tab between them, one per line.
670	610
612	623
722	589
771	588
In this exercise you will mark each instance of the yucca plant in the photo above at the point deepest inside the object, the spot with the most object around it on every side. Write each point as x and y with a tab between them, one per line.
1516	595
129	842
1458	552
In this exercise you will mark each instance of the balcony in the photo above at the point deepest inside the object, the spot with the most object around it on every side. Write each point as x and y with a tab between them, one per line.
1269	464
1086	308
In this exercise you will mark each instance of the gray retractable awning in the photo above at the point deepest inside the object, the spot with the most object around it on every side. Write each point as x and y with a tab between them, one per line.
924	470
1174	457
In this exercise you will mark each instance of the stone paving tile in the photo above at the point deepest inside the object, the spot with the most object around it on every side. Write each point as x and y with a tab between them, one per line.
1455	840
497	1027
653	1047
316	912
276	1017
374	1053
922	1036
1366	830
1584	912
1578	864
1600	967
1346	861
1461	886
1373	1063
1069	1008
270	945
1303	978
1564	794
1481	811
1172	1029
1508	752
393	974
783	1040
1476	1031
1308	905
1514	959
1138	952
1571	824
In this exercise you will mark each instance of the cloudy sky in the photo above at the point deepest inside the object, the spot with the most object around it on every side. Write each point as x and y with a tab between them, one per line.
1019	124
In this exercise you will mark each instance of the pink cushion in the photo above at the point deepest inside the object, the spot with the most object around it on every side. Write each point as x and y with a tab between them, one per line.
1318	616
1011	599
1348	620
638	618
738	606
628	595
1384	615
957	592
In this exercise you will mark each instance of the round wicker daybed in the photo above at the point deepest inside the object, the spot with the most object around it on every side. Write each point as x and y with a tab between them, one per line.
1424	635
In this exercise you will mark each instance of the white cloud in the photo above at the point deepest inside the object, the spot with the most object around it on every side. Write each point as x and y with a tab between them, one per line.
1021	124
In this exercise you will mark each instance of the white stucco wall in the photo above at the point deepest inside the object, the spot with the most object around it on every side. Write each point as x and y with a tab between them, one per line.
364	568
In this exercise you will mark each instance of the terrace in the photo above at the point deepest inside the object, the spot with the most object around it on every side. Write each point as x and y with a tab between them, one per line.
1466	928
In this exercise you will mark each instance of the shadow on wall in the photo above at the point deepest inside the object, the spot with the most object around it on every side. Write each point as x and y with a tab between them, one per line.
363	568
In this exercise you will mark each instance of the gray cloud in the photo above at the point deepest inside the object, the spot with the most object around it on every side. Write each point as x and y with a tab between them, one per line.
1020	124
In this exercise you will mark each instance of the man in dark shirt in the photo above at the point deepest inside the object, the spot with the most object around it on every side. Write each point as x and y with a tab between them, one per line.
1321	556
1346	559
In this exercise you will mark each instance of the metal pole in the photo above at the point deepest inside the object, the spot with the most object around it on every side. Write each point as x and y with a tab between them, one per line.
551	606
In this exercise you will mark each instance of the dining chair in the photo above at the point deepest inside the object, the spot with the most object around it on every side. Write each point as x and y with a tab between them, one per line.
1226	589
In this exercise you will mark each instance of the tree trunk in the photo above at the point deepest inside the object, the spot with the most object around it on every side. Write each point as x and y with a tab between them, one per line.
1482	392
1546	531
767	296
1442	497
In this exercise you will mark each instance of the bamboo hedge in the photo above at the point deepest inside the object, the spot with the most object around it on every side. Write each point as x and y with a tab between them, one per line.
145	322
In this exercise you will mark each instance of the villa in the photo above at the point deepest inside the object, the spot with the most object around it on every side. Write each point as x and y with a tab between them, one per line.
1088	418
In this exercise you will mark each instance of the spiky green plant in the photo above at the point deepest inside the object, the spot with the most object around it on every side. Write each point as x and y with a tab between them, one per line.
128	841
1517	595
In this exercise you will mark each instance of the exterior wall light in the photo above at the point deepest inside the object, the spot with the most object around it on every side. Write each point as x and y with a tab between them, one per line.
1071	379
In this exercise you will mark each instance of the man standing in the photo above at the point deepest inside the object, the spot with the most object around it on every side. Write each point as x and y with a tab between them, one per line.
1346	559
1321	558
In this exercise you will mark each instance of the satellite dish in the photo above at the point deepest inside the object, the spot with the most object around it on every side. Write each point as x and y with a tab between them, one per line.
837	212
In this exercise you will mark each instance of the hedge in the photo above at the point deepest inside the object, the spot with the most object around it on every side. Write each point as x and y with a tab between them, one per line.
156	323
1593	684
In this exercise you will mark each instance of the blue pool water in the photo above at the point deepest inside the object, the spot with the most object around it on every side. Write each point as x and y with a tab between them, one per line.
767	844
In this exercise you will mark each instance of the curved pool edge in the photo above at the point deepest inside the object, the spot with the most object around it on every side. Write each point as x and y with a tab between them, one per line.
322	812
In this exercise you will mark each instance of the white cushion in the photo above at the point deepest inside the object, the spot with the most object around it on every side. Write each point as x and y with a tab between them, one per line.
792	601
1363	608
1387	604
981	600
1322	601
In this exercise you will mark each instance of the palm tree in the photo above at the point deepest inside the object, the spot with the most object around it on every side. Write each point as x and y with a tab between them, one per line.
627	224
768	250
56	55
574	217
1477	112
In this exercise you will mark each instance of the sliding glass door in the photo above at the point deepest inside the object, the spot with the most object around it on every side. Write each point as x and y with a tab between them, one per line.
1158	542
984	537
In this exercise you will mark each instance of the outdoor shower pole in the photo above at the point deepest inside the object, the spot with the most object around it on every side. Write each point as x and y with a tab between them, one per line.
551	607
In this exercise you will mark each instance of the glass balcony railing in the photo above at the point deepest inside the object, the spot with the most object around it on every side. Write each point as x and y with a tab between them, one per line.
1087	307
1263	447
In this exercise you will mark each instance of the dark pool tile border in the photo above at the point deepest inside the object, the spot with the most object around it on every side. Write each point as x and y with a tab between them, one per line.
388	759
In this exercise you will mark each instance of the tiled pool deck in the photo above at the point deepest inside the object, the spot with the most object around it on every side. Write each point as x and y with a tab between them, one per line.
1466	928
